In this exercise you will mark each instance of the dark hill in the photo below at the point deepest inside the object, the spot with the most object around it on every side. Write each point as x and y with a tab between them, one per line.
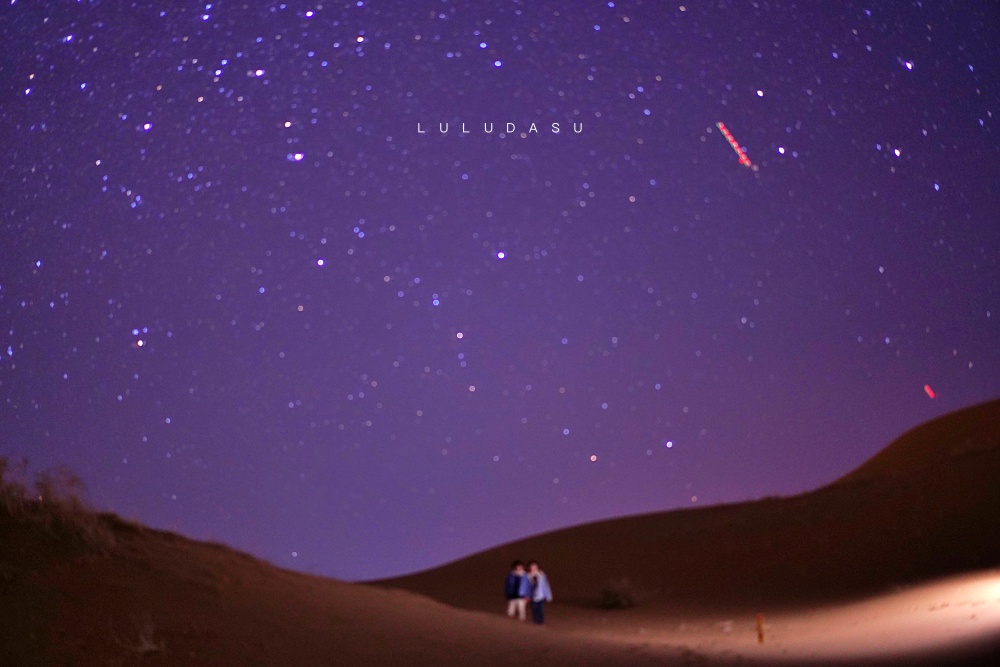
926	506
78	588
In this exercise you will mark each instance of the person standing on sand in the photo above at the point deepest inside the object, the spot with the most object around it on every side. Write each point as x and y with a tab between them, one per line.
541	592
517	589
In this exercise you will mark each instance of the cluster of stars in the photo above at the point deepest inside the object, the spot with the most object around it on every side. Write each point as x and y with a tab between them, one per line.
245	299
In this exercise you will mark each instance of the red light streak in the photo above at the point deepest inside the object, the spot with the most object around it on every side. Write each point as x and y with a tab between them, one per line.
744	160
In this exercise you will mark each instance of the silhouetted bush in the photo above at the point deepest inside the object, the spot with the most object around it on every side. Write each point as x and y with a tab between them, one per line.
618	594
14	497
54	503
146	640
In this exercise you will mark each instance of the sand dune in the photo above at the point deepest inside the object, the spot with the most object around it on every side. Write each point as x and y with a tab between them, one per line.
926	507
160	599
898	519
951	621
896	563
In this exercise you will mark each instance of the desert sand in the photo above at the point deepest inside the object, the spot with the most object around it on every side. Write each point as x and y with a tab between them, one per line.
896	563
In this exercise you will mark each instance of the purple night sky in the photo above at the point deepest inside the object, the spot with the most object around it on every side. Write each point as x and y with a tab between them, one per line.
243	298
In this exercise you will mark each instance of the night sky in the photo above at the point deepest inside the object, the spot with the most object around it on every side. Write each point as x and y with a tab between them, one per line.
245	297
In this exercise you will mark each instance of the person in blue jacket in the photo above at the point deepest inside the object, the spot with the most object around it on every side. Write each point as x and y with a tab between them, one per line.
517	590
541	592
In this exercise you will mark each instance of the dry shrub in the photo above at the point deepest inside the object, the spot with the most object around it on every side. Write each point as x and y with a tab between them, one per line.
54	503
621	594
145	642
14	496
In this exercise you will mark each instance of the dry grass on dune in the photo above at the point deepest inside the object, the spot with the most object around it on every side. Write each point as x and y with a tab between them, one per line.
52	505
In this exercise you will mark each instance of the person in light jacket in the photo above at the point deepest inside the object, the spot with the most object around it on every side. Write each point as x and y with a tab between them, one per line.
541	592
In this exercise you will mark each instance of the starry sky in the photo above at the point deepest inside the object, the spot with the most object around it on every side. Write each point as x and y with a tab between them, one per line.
251	292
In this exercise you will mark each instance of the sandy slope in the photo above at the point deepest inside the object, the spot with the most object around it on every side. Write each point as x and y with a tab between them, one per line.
848	573
192	603
926	507
955	620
